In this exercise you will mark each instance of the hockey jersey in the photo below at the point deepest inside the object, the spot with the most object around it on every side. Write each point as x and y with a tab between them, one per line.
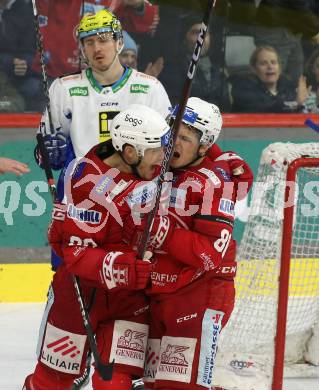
90	225
83	109
201	204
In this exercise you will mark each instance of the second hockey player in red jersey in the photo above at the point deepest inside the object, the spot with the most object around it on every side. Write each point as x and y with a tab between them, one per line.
192	291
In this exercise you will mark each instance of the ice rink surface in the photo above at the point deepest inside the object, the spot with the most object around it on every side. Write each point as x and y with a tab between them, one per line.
19	325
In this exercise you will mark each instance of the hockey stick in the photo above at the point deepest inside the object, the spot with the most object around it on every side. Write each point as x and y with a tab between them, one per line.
176	124
105	370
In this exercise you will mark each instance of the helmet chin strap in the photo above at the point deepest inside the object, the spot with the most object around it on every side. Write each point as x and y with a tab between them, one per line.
118	51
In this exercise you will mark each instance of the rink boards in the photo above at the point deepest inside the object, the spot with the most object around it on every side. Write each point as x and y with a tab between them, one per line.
29	282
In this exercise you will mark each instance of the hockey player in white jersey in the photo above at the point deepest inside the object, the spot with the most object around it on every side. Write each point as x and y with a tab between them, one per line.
84	104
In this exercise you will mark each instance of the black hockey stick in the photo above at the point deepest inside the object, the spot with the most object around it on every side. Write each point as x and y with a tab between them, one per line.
176	124
105	370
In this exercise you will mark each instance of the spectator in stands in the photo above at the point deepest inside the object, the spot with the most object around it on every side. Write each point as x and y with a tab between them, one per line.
281	24
312	79
17	45
59	19
10	99
129	53
13	166
267	89
210	83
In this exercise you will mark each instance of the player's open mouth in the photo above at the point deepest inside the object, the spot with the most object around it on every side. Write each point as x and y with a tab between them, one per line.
176	155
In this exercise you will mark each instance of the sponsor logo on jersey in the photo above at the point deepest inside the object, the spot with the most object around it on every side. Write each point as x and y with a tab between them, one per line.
62	350
161	279
141	195
224	174
109	104
83	215
227	206
152	359
211	175
103	184
186	318
211	327
79	91
129	343
176	359
139	88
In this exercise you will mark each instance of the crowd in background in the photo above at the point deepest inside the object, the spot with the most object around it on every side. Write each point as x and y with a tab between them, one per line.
258	55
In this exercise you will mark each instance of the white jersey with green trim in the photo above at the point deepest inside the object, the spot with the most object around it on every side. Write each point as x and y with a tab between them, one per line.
83	109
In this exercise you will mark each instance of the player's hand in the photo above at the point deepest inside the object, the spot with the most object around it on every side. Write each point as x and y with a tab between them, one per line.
160	232
56	146
125	271
155	68
14	166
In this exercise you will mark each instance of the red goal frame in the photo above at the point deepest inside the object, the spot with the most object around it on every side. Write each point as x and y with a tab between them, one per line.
280	339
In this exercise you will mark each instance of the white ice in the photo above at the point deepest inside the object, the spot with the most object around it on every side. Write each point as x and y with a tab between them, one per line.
19	325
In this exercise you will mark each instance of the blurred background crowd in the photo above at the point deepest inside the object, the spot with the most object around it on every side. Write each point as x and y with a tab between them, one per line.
259	55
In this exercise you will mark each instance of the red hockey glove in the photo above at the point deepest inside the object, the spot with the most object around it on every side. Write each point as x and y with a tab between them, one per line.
160	234
55	230
123	270
242	175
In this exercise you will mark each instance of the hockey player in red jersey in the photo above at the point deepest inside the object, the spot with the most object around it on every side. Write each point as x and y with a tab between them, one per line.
192	291
90	226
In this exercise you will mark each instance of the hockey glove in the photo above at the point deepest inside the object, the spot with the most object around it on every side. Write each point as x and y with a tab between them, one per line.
55	230
123	270
161	231
56	146
242	175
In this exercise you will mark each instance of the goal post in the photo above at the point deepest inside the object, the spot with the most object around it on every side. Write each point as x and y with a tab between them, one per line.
276	314
286	249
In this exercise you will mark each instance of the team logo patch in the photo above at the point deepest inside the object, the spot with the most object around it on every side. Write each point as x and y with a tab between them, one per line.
129	343
176	359
152	359
62	350
227	206
211	327
79	91
139	88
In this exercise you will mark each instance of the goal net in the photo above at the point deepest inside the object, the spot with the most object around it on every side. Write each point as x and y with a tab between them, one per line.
245	360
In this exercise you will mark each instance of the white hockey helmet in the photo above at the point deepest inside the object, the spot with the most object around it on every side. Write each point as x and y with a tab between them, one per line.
141	127
204	117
